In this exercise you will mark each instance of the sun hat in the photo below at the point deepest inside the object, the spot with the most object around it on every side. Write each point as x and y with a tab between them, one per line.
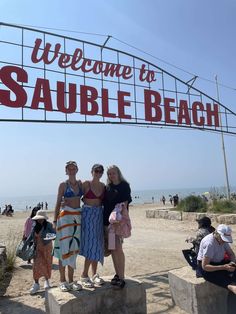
97	166
41	214
225	233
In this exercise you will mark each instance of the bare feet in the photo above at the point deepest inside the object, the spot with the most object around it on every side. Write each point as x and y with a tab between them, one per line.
232	288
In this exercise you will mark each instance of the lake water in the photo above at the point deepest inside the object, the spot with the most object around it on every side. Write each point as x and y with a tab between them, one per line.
139	197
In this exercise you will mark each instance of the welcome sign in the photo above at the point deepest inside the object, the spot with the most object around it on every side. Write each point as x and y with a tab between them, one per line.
52	78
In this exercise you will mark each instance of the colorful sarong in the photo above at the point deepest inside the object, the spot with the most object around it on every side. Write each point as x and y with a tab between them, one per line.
67	242
92	237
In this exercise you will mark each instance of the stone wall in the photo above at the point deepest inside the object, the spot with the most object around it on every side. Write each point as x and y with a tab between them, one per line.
3	260
227	219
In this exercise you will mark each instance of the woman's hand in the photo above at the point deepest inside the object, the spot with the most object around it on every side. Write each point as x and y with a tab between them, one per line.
229	267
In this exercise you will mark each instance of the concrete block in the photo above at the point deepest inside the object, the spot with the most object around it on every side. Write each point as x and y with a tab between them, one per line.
195	295
228	219
150	213
102	300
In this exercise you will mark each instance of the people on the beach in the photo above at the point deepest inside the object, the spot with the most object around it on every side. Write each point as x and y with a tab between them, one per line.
211	258
8	210
29	224
163	199
42	264
176	200
67	222
171	199
117	191
204	228
92	235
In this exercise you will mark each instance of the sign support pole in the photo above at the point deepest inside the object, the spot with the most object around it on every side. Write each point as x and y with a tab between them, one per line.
223	144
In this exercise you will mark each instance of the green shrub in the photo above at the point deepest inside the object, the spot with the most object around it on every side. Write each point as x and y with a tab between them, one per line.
192	203
223	206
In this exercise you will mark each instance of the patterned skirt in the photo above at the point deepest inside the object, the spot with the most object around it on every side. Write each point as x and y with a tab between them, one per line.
92	237
42	265
67	242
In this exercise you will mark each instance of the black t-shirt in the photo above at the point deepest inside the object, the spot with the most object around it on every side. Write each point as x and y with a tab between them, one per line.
115	194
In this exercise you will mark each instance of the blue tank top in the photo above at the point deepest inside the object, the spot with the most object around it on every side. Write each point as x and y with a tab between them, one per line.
69	192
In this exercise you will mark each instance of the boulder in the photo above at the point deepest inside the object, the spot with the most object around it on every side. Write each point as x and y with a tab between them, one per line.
105	300
195	295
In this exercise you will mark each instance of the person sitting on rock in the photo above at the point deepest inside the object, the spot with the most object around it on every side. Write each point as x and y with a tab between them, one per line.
211	261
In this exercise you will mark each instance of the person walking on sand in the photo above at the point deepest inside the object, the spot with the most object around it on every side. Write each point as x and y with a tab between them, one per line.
29	224
92	236
67	222
42	265
117	192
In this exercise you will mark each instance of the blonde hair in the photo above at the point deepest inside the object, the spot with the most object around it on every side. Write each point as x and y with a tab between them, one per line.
120	176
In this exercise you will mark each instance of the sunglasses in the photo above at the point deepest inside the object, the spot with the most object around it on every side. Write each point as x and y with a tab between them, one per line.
98	171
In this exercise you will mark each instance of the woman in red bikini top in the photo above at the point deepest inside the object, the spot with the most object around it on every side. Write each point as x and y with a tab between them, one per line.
94	190
91	246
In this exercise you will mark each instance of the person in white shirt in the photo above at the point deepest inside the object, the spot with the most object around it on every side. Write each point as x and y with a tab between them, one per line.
211	258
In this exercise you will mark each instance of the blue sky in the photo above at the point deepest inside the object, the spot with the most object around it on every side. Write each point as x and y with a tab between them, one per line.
198	36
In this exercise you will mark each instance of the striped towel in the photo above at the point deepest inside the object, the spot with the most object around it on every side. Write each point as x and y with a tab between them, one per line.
67	242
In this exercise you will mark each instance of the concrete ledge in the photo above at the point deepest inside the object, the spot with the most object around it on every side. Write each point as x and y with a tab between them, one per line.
103	300
3	260
195	295
227	219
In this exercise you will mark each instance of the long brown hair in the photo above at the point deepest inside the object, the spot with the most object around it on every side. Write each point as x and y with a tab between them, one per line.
120	175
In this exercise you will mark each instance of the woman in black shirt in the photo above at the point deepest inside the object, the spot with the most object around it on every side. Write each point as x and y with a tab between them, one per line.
117	191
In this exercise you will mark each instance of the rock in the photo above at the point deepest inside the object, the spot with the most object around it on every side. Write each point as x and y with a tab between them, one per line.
228	219
105	300
195	295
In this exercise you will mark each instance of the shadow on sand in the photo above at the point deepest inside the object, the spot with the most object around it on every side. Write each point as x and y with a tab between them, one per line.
9	306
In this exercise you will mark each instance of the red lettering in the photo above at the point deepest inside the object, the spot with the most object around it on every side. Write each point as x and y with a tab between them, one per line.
85	99
183	113
77	56
196	107
168	109
63	61
212	114
152	105
86	62
45	54
61	97
105	106
121	105
9	82
44	86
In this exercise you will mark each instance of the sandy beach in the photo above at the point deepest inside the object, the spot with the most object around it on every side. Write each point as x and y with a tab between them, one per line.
153	249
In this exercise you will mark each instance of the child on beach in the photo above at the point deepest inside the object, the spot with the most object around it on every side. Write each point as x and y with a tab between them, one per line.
67	222
42	264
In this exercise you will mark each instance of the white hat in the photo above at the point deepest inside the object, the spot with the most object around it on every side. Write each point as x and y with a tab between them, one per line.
41	214
225	233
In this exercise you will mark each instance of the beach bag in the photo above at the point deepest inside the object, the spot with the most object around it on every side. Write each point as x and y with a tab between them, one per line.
27	251
19	248
191	257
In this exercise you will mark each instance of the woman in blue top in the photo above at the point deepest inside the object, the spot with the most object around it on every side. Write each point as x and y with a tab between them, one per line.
67	222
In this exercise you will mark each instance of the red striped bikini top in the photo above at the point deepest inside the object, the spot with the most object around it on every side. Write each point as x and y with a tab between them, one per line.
92	196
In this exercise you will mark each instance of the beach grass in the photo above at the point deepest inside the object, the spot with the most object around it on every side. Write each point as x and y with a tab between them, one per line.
12	241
